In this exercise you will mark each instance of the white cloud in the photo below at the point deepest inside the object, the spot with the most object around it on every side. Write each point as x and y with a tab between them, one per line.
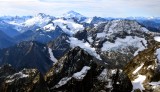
17	0
105	8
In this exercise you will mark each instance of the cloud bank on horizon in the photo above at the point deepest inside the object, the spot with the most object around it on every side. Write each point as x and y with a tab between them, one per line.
103	8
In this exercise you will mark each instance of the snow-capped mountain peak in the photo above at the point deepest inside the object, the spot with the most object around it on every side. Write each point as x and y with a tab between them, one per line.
73	14
39	20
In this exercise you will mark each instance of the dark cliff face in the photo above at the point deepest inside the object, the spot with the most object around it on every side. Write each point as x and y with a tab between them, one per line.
78	71
75	71
60	46
28	55
27	80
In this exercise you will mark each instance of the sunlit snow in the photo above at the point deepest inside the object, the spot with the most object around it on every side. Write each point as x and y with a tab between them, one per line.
68	26
154	83
137	83
158	54
49	27
99	35
62	82
80	75
74	42
157	38
123	43
135	71
51	55
37	20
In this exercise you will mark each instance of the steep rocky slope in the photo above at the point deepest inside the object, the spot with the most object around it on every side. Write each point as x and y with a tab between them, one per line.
59	45
27	80
75	71
79	71
143	69
28	55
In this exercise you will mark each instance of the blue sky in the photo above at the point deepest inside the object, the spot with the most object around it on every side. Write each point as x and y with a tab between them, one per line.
103	8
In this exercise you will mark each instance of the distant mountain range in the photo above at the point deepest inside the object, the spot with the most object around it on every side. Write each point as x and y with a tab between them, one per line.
75	52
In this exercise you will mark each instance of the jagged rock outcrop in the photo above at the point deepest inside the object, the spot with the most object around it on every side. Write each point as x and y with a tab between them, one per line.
27	80
78	71
75	71
60	46
143	70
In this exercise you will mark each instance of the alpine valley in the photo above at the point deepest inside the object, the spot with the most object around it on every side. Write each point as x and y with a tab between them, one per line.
75	53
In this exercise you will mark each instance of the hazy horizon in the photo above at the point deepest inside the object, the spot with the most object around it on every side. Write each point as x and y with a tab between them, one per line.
89	8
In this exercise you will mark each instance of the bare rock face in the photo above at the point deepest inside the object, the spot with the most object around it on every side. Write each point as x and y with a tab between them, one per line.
78	71
143	70
60	46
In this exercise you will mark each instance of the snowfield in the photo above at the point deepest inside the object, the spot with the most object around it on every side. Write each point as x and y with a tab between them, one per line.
68	26
74	42
38	20
120	44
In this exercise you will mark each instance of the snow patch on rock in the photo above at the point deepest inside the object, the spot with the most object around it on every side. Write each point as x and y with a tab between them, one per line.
135	71
154	83
158	54
90	39
80	75
16	76
99	35
49	27
62	82
51	55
